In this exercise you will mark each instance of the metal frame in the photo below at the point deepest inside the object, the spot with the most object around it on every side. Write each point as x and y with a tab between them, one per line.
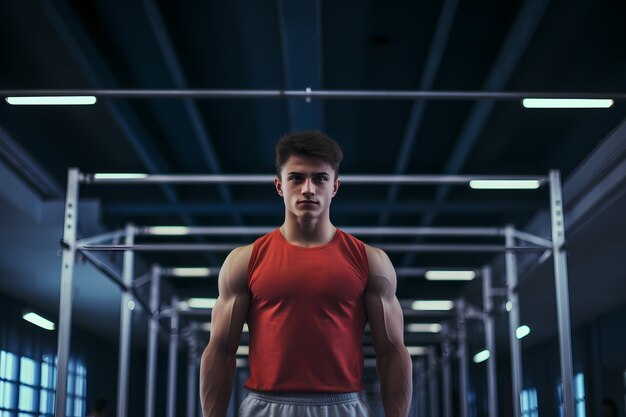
446	372
433	390
562	291
71	245
490	343
462	357
307	94
125	325
514	322
172	368
153	333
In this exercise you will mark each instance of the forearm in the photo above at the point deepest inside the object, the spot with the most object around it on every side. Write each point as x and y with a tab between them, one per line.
217	369
396	382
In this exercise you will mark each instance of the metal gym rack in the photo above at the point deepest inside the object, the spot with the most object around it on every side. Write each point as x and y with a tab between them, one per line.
72	245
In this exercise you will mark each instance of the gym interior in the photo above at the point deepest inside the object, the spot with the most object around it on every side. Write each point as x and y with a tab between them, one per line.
484	151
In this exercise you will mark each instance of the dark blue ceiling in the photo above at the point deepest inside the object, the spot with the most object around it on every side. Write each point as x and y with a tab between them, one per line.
532	45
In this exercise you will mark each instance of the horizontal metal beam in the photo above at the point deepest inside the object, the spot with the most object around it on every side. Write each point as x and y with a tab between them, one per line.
103	237
310	94
146	209
530	238
400	272
364	231
265	179
226	247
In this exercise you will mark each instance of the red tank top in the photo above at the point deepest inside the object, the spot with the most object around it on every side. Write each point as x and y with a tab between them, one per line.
307	315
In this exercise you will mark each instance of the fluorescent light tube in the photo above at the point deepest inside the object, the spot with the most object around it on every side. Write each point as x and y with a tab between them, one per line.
207	327
436	305
37	320
504	184
450	275
168	230
201	302
118	176
51	101
481	356
423	327
566	103
522	332
243	350
190	272
416	350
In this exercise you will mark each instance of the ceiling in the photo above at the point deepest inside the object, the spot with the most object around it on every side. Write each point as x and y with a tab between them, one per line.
523	46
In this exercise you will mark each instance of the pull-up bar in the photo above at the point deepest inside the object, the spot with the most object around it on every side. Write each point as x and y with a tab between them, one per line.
308	93
71	245
530	181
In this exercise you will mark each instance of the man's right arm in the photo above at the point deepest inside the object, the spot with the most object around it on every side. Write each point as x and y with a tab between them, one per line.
218	364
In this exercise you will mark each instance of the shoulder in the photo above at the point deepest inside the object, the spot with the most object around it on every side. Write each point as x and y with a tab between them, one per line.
234	271
242	252
377	259
382	276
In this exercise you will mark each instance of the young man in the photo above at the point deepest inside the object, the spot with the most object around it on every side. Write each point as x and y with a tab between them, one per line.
306	291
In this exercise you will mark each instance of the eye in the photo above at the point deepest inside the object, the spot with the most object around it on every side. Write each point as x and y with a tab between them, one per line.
322	178
294	177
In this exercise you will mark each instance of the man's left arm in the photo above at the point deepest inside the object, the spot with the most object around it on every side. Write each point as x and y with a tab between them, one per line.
393	361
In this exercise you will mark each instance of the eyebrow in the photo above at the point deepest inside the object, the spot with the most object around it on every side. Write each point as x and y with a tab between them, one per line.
317	173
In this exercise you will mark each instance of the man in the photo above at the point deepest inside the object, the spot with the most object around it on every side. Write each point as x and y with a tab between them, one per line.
306	291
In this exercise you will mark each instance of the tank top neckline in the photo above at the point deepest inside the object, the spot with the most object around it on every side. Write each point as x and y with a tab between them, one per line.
325	245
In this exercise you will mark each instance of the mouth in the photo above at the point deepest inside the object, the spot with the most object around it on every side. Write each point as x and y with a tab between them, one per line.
308	202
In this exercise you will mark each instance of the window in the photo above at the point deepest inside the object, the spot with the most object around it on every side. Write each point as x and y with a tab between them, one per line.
76	388
27	387
579	396
48	384
528	402
8	383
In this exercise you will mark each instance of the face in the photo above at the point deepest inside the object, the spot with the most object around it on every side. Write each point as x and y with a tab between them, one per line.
307	186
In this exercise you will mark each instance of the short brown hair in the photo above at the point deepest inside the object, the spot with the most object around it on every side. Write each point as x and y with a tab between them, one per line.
308	143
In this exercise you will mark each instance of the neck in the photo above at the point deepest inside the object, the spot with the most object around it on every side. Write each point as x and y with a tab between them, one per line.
307	232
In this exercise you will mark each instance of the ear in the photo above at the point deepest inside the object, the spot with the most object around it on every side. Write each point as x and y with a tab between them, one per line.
279	186
336	186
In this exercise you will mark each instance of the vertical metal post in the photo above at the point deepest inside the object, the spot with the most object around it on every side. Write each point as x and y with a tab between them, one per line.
562	291
65	302
172	361
126	305
490	343
462	354
446	378
514	320
153	334
192	372
433	392
420	383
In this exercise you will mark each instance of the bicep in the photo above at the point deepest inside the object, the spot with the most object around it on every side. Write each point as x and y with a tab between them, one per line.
231	308
382	306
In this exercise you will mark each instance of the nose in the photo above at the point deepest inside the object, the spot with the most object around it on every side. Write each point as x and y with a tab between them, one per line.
308	188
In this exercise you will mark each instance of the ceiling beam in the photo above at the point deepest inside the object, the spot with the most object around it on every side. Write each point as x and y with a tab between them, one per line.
301	42
81	48
29	169
202	136
512	50
413	125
